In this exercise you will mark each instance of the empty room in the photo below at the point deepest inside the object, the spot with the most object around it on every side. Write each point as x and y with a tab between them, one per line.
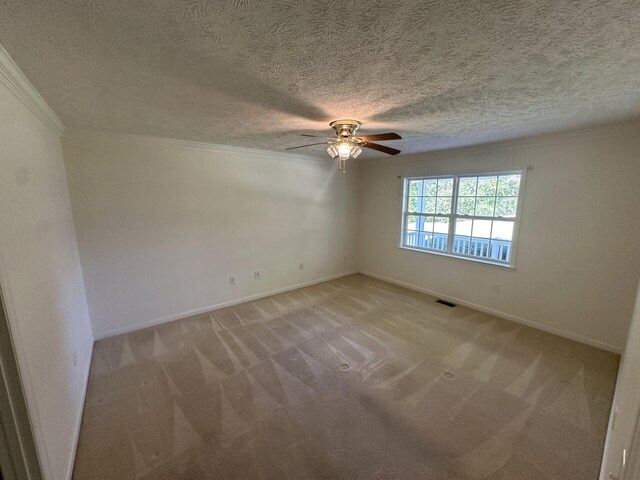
319	239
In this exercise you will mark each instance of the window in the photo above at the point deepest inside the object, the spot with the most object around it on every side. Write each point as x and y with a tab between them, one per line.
468	216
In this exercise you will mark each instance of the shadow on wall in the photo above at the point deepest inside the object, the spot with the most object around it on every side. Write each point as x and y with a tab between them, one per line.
183	220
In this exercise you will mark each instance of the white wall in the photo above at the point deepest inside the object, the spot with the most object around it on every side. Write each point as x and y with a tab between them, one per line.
41	276
577	261
162	224
626	402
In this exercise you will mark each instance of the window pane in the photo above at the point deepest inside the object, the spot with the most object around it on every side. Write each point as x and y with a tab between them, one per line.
424	224
413	238
413	204
481	228
462	237
429	205
502	230
466	205
441	225
415	187
410	222
501	241
440	233
444	205
463	226
467	186
487	186
508	185
506	206
479	247
484	206
479	244
430	187
445	187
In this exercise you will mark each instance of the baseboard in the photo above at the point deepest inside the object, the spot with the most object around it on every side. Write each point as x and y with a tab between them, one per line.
507	316
78	423
208	308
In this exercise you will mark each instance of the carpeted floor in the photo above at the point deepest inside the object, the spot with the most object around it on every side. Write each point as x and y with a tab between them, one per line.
349	379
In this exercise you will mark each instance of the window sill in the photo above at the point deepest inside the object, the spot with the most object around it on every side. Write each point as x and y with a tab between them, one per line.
458	257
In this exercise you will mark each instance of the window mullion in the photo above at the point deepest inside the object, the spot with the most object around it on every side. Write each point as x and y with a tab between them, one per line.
454	208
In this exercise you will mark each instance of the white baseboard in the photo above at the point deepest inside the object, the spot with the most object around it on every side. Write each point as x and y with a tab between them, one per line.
78	423
507	316
208	308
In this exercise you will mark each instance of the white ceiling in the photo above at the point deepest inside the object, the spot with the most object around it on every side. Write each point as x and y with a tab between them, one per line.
258	73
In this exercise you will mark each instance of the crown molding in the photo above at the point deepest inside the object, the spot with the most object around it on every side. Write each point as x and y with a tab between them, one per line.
19	85
101	135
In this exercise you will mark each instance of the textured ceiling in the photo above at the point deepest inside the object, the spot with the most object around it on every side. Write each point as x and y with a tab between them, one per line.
258	73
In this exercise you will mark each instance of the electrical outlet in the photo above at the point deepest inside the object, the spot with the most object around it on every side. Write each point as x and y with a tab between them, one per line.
75	359
256	275
301	266
232	280
345	259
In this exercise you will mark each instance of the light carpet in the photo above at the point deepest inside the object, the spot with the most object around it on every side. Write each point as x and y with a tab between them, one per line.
349	379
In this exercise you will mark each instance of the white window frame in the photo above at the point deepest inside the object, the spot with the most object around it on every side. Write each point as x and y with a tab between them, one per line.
453	216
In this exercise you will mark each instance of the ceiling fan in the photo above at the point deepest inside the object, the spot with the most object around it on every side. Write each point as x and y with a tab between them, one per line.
346	145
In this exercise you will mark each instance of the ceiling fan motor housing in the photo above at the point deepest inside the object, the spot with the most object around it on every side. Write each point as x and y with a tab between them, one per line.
345	128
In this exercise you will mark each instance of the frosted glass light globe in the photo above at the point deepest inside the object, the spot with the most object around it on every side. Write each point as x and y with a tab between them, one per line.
344	149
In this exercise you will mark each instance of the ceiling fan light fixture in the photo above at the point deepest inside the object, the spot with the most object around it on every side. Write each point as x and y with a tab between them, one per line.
355	151
332	151
344	149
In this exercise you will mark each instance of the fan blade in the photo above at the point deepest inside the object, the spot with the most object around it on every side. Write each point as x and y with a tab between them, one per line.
380	137
308	145
381	148
309	135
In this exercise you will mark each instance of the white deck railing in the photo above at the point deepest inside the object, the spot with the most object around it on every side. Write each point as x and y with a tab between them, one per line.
476	247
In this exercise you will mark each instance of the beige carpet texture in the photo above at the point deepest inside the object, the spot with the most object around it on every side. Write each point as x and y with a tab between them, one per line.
349	379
